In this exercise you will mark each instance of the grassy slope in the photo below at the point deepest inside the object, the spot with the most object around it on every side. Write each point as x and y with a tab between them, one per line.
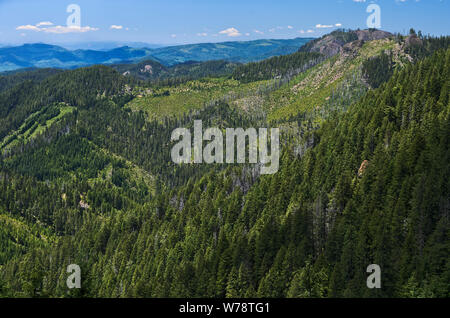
313	88
25	133
305	92
190	96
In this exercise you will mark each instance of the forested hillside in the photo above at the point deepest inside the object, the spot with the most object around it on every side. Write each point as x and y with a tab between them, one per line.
161	75
278	66
86	176
10	79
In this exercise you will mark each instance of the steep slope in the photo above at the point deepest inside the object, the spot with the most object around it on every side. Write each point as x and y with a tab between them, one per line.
292	85
310	230
276	67
312	89
333	43
363	179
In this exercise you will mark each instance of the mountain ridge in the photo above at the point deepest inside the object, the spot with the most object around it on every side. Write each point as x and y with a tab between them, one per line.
86	178
45	55
334	42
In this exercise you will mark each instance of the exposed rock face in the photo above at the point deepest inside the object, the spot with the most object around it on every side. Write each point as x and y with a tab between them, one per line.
147	69
327	46
332	48
413	40
370	35
336	42
363	168
84	205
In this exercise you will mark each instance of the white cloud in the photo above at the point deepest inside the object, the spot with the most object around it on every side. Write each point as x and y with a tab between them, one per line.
173	36
116	27
310	31
58	29
290	27
258	32
327	26
65	29
231	32
28	27
45	23
202	34
323	26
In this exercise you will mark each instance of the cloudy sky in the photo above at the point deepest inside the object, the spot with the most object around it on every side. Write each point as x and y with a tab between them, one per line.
191	21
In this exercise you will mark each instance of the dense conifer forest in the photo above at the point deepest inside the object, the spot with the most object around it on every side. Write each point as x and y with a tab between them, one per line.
86	177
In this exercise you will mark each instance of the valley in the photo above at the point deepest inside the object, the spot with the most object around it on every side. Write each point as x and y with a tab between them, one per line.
86	175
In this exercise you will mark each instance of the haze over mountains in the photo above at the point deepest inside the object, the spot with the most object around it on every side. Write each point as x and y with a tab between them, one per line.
44	55
107	45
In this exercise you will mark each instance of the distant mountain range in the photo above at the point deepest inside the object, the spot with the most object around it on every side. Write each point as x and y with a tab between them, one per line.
44	55
107	45
97	45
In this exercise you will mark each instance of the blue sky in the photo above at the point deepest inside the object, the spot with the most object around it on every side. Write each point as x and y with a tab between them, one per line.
192	21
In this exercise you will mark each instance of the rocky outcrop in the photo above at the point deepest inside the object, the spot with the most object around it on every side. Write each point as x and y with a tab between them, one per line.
84	205
413	40
338	41
371	35
363	168
147	69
